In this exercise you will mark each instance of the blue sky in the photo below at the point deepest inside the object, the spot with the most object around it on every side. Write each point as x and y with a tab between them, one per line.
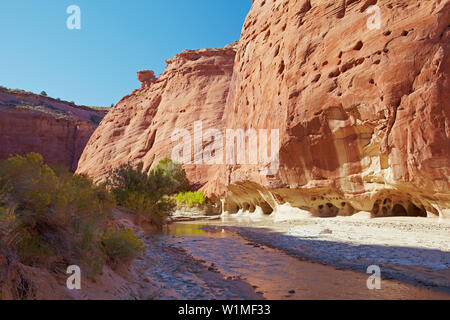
97	65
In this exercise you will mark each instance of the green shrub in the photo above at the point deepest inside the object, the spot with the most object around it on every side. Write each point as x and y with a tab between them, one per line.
43	93
146	194
7	214
156	210
31	247
126	180
32	183
78	195
49	214
37	188
190	199
172	177
86	234
87	243
166	179
121	245
45	211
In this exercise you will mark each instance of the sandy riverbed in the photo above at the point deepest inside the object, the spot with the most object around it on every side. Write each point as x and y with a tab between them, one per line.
209	266
168	272
413	250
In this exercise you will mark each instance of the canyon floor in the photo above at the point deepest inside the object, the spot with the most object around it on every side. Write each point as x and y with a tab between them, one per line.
250	257
257	258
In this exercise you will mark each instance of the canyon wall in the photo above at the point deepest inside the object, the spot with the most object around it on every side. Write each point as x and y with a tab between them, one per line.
56	129
363	113
194	87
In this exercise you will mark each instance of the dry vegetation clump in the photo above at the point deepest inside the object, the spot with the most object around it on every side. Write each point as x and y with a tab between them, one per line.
147	195
52	218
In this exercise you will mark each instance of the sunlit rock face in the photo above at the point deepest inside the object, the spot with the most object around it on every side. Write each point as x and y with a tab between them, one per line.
359	91
58	130
363	113
194	87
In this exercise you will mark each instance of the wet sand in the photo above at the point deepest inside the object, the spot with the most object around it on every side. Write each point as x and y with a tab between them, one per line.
243	258
279	275
176	275
411	250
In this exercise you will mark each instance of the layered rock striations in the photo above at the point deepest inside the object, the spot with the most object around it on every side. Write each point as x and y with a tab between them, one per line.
194	87
363	113
56	129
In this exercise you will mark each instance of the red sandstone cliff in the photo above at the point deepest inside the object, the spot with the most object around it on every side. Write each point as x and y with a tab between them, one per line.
56	129
194	87
363	113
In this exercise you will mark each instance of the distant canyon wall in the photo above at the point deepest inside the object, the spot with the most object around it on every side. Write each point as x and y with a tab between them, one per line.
57	130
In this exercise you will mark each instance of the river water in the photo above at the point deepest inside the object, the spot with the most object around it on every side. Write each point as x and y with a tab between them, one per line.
277	275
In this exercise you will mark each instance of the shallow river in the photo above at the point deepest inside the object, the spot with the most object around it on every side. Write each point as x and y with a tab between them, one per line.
280	276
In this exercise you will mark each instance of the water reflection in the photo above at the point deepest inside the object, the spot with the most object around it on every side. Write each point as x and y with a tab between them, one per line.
278	275
192	229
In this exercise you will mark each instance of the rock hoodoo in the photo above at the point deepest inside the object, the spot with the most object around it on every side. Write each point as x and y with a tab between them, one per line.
146	77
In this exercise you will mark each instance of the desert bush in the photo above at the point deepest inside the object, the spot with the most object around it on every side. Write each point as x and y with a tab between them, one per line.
78	195
87	245
7	214
165	179
45	211
86	231
37	188
146	194
31	247
126	180
155	209
172	177
120	245
33	184
190	199
49	215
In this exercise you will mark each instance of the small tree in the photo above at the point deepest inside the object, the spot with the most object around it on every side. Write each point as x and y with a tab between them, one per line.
147	194
172	175
44	94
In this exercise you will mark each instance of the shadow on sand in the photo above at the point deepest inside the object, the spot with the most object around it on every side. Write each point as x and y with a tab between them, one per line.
416	266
